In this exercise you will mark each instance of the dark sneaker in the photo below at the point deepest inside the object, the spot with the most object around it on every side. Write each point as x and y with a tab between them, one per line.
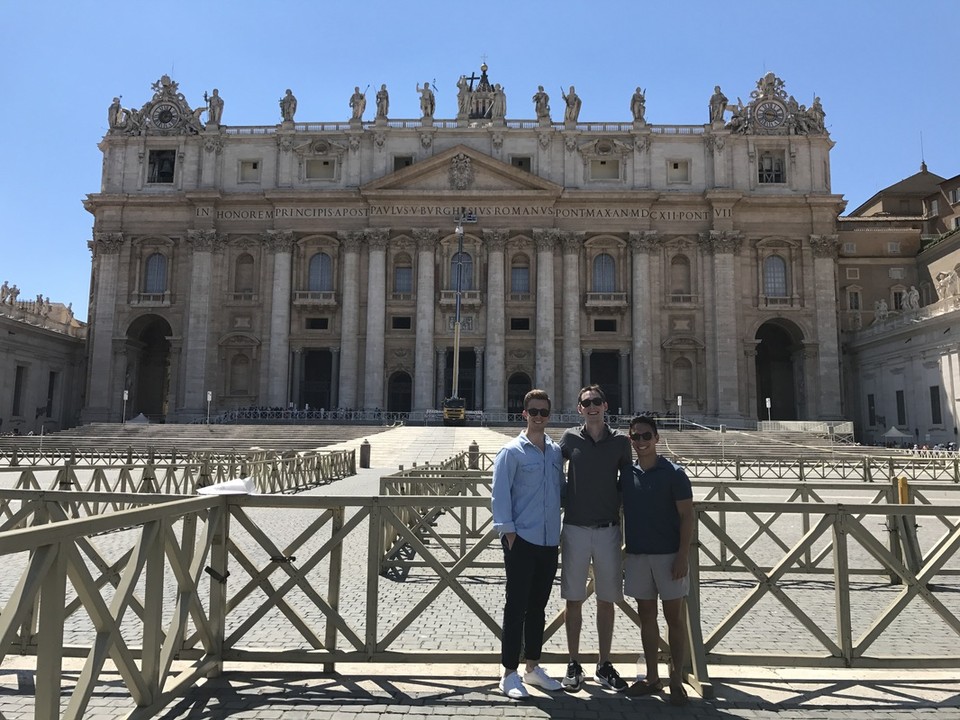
609	677
573	680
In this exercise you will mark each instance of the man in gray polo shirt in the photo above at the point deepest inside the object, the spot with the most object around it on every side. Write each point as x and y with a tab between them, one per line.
597	459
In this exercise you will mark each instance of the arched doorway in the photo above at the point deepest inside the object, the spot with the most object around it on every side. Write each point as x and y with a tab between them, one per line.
400	392
779	368
316	390
518	385
148	367
604	370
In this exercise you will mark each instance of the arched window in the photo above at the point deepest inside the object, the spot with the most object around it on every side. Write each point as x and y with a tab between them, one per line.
240	375
775	277
683	377
466	271
520	274
402	274
155	274
243	274
680	275
321	273
604	274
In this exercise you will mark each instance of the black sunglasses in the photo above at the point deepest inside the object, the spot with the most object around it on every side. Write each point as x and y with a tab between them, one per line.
542	412
641	436
592	401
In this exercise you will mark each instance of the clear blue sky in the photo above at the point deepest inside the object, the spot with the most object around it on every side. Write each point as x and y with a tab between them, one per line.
884	70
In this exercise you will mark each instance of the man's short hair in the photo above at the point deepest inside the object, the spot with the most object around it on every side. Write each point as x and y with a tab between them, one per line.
645	420
536	394
591	388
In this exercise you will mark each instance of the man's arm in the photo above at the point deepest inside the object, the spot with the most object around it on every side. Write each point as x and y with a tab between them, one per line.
501	502
681	566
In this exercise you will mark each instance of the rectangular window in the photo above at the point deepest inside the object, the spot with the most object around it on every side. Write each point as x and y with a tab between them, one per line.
519	323
893	247
249	171
320	323
853	299
853	273
51	392
402	161
523	162
850	248
321	169
771	169
160	166
934	207
403	279
520	279
19	388
895	273
956	223
955	196
678	171
871	410
606	169
604	325
901	409
935	416
898	299
401	322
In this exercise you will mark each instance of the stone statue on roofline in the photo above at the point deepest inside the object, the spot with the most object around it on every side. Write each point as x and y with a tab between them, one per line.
638	105
383	102
288	106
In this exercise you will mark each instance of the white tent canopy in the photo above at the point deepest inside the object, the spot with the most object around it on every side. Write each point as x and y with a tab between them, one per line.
894	434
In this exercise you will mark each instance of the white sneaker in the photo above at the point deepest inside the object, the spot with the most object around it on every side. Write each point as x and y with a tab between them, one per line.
538	676
512	687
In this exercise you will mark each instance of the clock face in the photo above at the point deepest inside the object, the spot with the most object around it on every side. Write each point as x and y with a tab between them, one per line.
165	115
770	114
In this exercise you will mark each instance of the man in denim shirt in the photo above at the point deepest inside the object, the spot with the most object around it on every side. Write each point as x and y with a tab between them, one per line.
527	481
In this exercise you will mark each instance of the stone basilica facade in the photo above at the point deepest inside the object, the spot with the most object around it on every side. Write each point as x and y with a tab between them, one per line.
315	263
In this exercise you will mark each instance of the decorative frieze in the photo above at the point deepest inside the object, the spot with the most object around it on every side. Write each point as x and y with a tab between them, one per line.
461	172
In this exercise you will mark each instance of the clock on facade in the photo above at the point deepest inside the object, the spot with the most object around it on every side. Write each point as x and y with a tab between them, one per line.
770	114
165	115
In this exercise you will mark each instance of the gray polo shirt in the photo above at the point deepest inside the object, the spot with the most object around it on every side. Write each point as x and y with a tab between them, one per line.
594	471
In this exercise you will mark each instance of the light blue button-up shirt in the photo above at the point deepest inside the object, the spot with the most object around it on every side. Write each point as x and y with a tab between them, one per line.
527	484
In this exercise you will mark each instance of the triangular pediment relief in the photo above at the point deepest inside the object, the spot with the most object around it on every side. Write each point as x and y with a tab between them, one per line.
461	169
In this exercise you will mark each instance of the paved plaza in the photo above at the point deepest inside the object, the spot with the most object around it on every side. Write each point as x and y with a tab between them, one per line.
449	690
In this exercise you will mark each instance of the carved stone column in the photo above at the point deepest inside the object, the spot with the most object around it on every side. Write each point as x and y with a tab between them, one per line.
279	244
296	382
724	340
572	246
546	240
106	263
441	365
585	368
624	378
334	378
198	370
494	396
426	302
376	318
645	352
350	243
478	382
825	250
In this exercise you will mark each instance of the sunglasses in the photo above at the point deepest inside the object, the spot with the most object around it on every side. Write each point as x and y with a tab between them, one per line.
542	412
592	401
641	436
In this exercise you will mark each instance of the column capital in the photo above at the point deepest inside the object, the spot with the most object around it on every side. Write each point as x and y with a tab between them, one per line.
545	238
720	241
646	241
205	240
377	238
479	351
572	241
107	243
495	239
277	241
825	246
426	238
351	240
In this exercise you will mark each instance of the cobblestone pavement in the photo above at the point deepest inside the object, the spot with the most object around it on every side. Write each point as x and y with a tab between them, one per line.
415	691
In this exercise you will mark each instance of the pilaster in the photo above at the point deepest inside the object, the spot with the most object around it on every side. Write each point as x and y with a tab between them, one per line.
494	396
423	390
279	245
546	241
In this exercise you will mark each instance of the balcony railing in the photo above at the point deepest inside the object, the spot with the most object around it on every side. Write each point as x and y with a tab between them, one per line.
467	297
314	297
245	296
606	299
163	299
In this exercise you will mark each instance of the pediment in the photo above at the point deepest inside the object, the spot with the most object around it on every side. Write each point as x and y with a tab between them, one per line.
461	169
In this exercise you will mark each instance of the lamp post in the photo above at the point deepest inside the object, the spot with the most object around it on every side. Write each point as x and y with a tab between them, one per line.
464	217
768	409
123	416
680	413
209	398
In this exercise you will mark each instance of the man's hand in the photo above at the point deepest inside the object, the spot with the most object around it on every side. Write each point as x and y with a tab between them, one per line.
510	538
681	566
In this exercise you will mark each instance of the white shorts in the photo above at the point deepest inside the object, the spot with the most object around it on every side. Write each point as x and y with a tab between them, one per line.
583	546
647	576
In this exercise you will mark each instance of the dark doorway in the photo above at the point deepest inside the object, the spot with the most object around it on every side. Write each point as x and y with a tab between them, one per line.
517	386
399	393
317	379
777	373
148	367
605	372
467	381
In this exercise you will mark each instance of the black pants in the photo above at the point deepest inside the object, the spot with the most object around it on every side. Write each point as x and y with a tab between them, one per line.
531	570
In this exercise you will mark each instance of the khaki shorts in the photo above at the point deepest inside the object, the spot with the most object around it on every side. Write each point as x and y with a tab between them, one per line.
583	546
647	576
